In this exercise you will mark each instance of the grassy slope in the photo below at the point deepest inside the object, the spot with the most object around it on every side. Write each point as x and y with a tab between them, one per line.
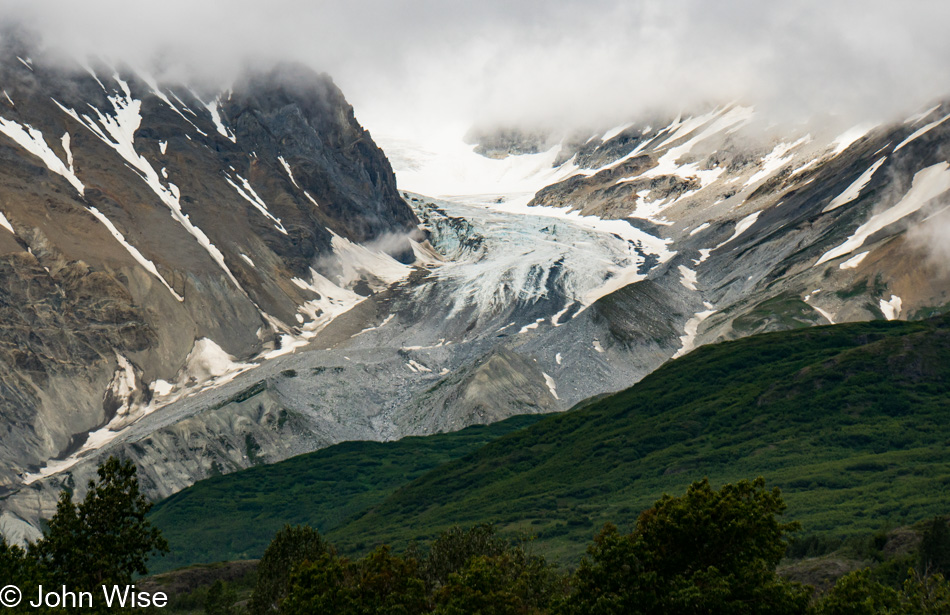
235	516
851	421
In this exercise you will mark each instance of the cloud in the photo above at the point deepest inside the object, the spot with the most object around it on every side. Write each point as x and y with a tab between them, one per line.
422	65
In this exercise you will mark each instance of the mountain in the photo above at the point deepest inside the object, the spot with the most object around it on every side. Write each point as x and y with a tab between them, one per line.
154	239
203	281
848	420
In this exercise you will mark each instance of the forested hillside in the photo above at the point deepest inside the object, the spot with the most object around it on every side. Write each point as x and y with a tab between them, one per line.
848	420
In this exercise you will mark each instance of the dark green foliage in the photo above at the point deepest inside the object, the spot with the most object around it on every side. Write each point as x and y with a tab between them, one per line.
235	516
454	547
848	420
381	583
106	538
926	595
291	547
17	568
705	552
858	593
462	572
935	547
511	583
221	599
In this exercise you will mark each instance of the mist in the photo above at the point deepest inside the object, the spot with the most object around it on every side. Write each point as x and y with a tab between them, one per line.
421	67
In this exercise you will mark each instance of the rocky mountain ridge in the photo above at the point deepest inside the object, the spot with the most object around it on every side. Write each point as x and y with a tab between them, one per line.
154	240
314	311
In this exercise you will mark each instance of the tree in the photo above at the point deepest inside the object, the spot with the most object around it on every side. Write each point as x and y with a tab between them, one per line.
291	547
221	599
857	593
105	539
454	547
379	584
707	551
926	594
511	583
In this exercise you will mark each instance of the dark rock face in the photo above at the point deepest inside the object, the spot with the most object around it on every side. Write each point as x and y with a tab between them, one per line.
144	218
499	143
304	117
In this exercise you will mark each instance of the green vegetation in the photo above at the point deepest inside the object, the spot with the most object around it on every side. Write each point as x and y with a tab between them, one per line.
102	541
849	420
235	516
708	552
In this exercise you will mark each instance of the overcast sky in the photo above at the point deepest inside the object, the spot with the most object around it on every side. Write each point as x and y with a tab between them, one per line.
420	65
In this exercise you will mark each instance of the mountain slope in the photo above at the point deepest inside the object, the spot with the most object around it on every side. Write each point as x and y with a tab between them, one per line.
236	516
155	242
849	420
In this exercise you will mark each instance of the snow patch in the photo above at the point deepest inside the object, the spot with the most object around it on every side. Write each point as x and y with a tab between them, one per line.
852	263
249	195
687	277
597	346
854	190
741	227
247	259
32	140
556	319
552	386
827	315
688	338
776	160
891	308
359	261
928	184
212	108
850	136
533	325
206	362
921	132
123	385
417	367
6	223
613	132
702	227
118	132
161	387
290	173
